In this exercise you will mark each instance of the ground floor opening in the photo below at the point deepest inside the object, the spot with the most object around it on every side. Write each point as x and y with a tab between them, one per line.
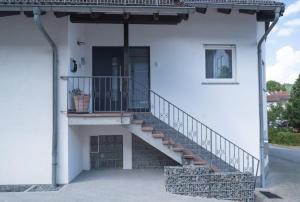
111	147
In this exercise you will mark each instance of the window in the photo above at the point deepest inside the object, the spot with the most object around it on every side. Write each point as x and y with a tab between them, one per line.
219	63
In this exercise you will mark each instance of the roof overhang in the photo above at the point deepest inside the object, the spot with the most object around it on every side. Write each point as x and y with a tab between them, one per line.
101	9
264	9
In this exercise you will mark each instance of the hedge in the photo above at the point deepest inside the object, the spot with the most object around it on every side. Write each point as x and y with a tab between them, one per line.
284	136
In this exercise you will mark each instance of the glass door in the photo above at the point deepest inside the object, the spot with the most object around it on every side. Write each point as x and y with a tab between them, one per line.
107	69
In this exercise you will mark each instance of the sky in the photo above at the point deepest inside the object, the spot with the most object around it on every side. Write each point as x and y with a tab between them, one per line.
283	46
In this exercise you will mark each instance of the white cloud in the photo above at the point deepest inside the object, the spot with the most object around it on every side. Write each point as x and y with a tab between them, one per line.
285	31
293	8
287	66
275	29
293	23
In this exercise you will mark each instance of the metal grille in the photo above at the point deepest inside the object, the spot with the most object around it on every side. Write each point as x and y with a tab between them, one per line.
106	151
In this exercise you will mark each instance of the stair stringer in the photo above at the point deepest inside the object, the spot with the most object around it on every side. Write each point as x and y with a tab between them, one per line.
155	142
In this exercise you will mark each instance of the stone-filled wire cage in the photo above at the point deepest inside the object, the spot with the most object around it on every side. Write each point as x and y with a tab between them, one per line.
201	181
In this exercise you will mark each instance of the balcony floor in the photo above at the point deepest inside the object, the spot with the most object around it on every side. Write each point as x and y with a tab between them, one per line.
101	118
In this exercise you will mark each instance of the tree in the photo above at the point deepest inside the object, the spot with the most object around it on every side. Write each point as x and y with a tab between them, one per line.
293	106
275	86
276	112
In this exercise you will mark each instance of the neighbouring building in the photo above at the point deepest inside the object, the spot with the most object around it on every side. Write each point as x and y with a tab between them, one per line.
277	97
132	84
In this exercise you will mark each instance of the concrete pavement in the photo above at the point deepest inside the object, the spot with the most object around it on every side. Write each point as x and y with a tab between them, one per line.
284	175
109	186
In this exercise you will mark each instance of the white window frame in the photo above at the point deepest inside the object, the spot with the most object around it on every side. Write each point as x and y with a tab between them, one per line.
221	80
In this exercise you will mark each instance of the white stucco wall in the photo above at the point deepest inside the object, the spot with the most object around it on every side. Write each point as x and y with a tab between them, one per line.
178	68
75	152
177	72
79	151
26	100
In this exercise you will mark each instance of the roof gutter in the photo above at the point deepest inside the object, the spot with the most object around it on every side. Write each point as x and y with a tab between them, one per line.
261	92
37	20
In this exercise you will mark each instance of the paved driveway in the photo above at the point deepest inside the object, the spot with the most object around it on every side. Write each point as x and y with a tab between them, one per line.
109	186
284	176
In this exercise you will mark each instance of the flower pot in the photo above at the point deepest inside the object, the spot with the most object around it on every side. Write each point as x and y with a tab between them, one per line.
81	103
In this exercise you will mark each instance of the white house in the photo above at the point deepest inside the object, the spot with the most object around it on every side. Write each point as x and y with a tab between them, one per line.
277	98
131	84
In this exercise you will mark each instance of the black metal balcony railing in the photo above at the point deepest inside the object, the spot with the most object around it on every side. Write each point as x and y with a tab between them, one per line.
136	2
122	94
104	94
91	2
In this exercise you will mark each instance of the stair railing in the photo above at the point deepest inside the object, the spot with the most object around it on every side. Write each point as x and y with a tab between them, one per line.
222	152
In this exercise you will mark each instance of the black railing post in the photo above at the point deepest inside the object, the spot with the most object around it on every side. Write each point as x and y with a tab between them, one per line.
121	91
211	154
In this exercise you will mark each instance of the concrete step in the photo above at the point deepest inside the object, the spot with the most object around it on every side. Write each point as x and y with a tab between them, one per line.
168	142
178	148
188	156
147	128
158	135
199	162
136	121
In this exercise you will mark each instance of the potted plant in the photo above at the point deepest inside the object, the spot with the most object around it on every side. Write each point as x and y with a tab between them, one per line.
81	100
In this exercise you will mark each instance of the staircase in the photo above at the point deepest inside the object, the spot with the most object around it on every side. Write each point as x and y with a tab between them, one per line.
181	133
168	139
164	125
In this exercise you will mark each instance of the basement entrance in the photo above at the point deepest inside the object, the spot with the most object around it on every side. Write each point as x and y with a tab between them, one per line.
106	151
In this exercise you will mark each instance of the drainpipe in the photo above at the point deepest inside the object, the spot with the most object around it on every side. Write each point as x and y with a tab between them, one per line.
37	20
261	92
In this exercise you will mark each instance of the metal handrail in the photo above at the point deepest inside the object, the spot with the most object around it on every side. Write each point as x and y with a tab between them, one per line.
131	96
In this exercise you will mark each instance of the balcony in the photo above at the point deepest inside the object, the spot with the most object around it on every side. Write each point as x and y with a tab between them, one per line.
95	100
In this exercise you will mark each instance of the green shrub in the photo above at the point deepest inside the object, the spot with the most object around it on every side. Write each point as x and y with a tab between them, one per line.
284	136
293	106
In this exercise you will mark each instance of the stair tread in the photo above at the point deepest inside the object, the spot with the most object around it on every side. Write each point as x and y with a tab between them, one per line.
168	142
188	156
165	142
158	135
147	128
199	162
137	121
178	149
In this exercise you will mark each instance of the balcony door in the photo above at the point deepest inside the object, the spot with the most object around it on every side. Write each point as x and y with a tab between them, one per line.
114	94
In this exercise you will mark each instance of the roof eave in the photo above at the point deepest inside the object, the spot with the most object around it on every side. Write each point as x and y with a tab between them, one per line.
101	8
